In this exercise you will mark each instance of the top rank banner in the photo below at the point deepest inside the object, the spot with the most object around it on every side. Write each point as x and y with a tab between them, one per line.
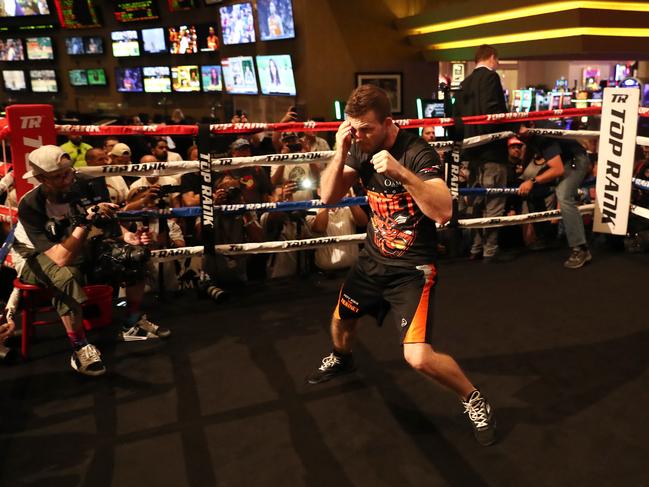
616	157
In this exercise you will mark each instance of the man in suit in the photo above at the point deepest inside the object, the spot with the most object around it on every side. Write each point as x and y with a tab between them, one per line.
481	93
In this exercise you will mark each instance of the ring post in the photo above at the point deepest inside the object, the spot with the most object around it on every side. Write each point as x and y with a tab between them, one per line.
207	203
30	127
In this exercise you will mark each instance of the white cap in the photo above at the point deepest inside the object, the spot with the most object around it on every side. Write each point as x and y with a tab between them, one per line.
120	149
47	158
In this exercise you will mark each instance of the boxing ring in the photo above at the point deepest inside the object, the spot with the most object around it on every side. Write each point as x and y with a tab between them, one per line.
230	407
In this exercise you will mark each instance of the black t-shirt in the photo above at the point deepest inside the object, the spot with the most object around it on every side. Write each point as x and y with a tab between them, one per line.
398	233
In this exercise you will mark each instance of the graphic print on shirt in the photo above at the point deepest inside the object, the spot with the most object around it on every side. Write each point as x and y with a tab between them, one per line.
394	221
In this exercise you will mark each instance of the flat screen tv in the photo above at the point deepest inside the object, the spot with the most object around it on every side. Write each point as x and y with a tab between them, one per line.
177	5
276	75
237	23
208	39
12	50
154	41
24	8
77	14
275	19
239	75
96	77
185	79
136	10
129	80
14	80
93	45
39	48
212	78
78	77
183	39
157	79
43	81
125	43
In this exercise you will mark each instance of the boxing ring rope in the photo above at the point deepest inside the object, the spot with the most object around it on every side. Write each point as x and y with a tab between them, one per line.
169	168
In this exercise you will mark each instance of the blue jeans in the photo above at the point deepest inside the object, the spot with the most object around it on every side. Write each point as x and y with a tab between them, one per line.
575	172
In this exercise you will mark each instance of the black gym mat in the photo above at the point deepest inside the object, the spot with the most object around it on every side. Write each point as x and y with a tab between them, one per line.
561	354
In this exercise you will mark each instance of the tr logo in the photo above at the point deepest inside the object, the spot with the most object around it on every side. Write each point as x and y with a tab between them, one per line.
618	98
31	122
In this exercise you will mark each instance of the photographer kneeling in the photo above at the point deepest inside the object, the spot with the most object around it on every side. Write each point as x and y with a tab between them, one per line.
50	241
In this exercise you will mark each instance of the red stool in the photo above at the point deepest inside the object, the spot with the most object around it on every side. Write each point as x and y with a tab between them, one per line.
36	299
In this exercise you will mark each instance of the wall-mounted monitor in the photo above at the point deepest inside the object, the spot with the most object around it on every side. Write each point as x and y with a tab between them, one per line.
185	79
23	8
78	77
157	79
177	5
12	50
39	48
276	75
129	80
136	10
77	14
96	77
154	41
237	23
239	75
183	39
43	81
212	78
275	19
125	43
79	46
14	80
208	39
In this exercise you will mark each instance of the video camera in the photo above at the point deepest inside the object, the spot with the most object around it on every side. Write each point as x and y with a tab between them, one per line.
115	261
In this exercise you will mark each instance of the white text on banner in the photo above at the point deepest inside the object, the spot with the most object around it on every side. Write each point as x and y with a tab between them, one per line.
616	156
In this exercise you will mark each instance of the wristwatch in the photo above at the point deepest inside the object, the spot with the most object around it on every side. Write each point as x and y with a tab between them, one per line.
533	180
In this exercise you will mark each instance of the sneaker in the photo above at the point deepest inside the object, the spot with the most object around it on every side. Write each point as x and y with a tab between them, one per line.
579	256
87	361
331	367
481	417
143	330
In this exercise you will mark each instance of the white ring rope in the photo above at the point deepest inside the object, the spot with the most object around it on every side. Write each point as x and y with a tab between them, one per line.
312	243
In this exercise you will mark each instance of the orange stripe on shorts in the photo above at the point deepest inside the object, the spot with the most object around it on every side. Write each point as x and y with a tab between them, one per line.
417	330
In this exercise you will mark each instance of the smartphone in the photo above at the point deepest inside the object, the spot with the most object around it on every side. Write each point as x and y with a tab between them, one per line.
300	111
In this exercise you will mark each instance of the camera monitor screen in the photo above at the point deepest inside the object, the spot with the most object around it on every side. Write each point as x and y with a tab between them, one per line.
14	80
78	77
23	8
11	50
185	78
136	10
275	19
237	23
125	43
276	75
96	77
39	48
154	41
183	39
157	79
43	81
239	75
77	14
176	5
212	78
129	80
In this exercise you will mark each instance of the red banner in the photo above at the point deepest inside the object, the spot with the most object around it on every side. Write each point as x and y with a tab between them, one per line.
30	127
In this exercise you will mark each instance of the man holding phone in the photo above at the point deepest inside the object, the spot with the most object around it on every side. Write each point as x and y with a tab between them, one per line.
396	269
